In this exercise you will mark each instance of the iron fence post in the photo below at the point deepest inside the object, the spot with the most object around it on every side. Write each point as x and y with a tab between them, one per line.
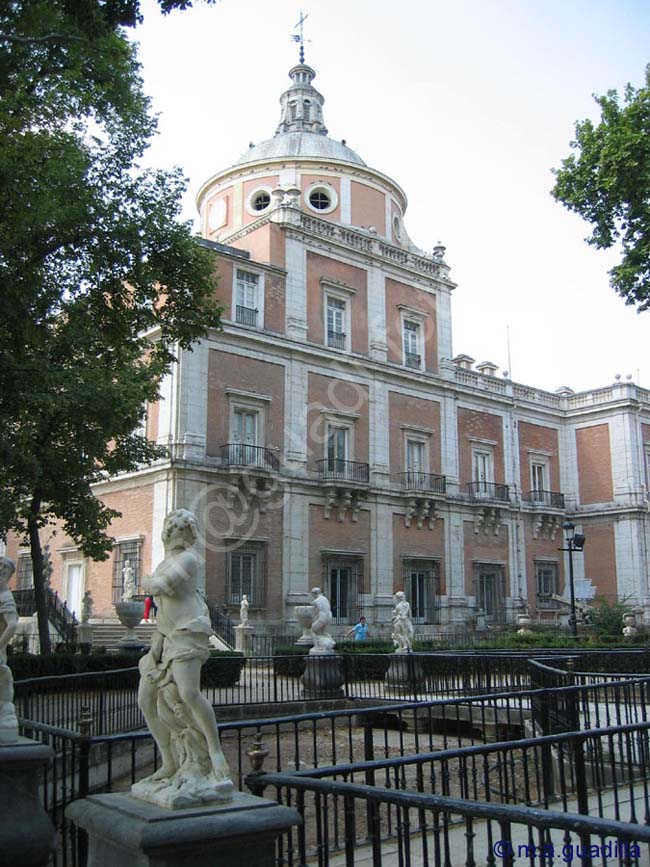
84	724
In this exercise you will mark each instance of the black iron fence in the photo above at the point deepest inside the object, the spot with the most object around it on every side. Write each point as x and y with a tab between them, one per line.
473	748
553	499
346	471
414	480
488	491
244	455
246	315
277	680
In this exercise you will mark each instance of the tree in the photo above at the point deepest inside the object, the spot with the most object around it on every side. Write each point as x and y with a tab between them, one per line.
100	285
607	182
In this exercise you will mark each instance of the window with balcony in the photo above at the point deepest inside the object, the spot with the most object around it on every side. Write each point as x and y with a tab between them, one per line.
248	298
547	585
489	589
412	339
417	466
336	322
131	550
483	472
245	427
338	450
247	575
538	480
421	585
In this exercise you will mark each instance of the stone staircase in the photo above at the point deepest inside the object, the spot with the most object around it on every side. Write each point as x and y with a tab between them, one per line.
107	633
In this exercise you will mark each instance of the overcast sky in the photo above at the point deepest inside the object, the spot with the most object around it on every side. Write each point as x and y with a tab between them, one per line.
467	104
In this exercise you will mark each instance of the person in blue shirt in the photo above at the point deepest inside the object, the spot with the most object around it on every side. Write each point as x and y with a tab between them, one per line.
359	630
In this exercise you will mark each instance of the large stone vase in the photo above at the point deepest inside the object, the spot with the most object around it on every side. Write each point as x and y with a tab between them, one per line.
305	617
130	614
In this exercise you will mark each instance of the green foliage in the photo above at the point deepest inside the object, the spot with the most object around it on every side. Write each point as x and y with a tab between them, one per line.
26	665
607	183
607	619
100	285
222	669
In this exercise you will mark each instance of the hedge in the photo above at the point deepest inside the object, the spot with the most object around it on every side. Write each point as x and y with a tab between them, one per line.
222	669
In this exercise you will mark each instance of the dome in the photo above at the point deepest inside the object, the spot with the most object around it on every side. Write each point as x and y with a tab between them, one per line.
300	144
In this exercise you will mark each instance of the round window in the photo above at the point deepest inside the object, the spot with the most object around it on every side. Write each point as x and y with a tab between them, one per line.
258	200
320	200
261	201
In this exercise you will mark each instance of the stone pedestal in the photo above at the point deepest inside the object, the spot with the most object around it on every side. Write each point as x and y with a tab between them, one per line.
131	833
244	639
130	614
404	672
85	633
28	836
323	676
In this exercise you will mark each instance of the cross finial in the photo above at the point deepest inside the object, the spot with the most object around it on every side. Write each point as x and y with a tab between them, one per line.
299	37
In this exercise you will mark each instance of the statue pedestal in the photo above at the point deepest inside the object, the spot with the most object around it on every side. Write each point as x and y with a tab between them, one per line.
130	614
244	638
28	836
404	672
123	830
323	676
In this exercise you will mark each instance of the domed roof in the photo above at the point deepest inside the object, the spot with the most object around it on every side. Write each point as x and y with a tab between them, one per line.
301	131
300	144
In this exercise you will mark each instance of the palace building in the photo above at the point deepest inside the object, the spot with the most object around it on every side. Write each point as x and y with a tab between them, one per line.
329	436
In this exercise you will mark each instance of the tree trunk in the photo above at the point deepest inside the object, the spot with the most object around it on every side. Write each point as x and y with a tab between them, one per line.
39	584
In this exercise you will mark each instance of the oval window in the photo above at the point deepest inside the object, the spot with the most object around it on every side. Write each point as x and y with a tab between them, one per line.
261	201
320	200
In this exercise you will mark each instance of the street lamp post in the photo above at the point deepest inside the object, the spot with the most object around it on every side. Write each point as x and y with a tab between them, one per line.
575	542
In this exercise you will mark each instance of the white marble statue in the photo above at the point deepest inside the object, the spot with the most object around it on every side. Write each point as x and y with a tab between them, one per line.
323	641
128	582
86	607
243	611
8	626
180	717
403	630
48	569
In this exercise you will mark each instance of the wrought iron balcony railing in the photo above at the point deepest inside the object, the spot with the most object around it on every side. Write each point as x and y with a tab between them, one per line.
345	471
414	480
243	455
246	315
336	339
552	499
489	491
413	360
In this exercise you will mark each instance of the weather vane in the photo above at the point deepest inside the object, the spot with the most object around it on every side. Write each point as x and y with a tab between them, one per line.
298	37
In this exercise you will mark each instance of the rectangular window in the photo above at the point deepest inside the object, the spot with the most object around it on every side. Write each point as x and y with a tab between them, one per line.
483	473
244	437
421	585
246	297
547	585
73	586
336	311
416	456
24	572
337	449
129	550
488	589
343	581
538	479
411	335
247	575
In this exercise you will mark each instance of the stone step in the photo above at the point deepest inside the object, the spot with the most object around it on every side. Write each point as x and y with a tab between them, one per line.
109	634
